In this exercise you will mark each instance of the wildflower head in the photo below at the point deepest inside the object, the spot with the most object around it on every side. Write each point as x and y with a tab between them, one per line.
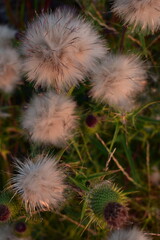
118	81
128	234
40	183
105	203
9	69
7	233
60	49
7	34
143	13
50	119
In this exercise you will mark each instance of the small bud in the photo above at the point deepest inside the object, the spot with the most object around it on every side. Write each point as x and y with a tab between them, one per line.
8	207
4	213
20	227
115	214
91	121
18	36
87	183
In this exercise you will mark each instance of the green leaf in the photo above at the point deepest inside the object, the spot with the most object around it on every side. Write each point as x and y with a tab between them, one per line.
83	210
131	162
78	184
115	135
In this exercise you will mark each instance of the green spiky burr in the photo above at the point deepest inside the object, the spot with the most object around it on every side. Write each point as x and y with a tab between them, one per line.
100	197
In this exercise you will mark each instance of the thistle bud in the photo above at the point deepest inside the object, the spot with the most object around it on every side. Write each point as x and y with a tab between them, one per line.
106	203
18	36
115	214
20	227
7	207
91	121
4	213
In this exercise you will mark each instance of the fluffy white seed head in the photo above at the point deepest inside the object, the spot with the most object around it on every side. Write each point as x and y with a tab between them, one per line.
50	119
7	233
60	49
40	182
6	35
9	69
145	13
128	234
118	80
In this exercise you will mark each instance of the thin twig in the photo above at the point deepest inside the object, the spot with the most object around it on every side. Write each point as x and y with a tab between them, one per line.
116	161
96	10
101	23
153	234
109	159
134	40
76	223
154	41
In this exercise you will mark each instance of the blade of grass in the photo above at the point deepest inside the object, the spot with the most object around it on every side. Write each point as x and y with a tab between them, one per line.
83	210
77	150
131	162
117	163
141	109
78	184
114	136
143	44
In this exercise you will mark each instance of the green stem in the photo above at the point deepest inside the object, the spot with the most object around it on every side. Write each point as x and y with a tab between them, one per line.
114	136
77	150
143	43
131	162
